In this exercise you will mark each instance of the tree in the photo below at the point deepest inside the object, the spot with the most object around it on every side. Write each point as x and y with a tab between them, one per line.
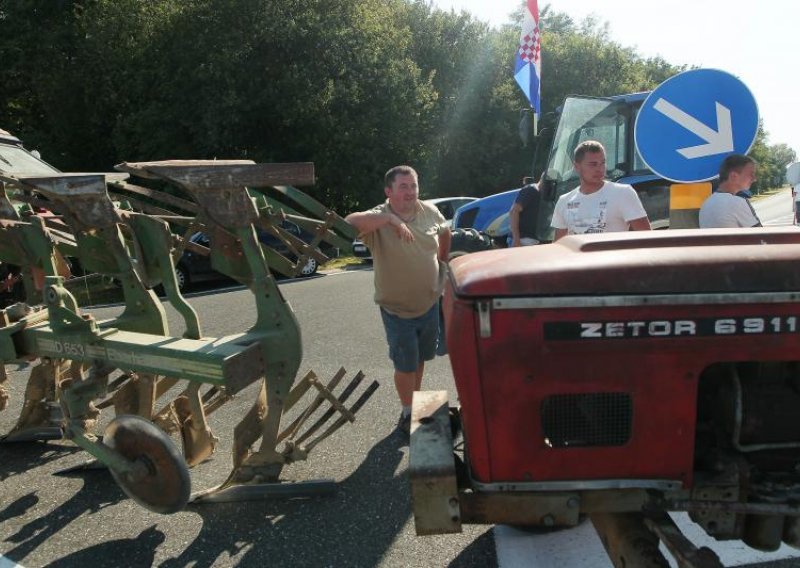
772	162
355	86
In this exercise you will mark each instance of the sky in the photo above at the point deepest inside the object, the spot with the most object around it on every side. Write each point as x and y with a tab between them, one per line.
755	41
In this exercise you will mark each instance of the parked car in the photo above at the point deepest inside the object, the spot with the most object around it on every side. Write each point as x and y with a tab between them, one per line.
194	267
16	160
446	205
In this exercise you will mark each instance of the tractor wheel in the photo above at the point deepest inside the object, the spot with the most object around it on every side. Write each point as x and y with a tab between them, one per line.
161	482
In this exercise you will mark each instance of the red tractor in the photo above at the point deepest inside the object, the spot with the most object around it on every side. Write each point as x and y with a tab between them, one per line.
621	377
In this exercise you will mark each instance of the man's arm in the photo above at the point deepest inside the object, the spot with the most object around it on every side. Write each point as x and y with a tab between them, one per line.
369	221
513	220
444	245
641	224
559	233
632	206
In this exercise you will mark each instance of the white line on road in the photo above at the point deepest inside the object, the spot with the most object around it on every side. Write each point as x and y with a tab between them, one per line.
580	547
8	563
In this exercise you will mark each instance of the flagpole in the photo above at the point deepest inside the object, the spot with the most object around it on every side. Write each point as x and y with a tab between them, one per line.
527	60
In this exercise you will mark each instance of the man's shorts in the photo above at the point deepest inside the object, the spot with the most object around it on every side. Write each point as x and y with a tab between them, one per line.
411	340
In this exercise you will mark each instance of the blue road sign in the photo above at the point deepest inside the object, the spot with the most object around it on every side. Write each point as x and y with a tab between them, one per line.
690	122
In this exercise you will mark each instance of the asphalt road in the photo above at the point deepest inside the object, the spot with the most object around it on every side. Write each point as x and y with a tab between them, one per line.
85	519
775	209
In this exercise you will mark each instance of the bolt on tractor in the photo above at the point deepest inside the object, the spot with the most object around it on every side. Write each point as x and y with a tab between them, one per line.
158	384
621	377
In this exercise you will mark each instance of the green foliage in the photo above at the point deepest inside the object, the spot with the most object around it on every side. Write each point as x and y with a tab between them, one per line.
356	86
772	162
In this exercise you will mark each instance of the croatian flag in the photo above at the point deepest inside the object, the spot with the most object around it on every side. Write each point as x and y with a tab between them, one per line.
528	61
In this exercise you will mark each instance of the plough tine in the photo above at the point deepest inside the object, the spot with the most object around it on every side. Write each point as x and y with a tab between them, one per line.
299	390
248	431
332	410
365	396
118	382
168	418
198	440
292	429
113	386
137	396
40	418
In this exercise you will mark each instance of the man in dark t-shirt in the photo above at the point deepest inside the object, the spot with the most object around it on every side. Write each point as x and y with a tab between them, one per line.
522	216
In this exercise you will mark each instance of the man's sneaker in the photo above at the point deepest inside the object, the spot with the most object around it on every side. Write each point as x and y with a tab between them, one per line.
404	424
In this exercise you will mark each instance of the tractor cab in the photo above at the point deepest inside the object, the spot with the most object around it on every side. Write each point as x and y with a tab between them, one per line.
609	121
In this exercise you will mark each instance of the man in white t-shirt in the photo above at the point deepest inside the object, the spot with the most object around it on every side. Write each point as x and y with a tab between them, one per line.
597	205
723	208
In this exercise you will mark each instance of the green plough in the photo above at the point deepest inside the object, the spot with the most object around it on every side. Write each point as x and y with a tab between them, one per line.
132	364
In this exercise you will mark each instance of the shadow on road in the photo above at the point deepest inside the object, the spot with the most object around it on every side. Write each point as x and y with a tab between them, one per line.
137	551
480	553
347	529
19	507
20	457
98	491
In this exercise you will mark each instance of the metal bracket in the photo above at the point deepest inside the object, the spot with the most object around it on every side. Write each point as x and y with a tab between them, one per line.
485	318
431	468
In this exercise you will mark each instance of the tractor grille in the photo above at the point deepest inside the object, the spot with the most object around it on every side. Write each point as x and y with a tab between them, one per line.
587	419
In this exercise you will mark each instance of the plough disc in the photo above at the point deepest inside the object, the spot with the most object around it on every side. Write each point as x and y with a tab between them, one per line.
159	479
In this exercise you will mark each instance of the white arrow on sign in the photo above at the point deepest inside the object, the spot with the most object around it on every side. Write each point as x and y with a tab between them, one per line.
717	141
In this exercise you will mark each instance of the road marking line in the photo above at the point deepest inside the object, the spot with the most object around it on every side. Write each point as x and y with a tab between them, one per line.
8	563
580	547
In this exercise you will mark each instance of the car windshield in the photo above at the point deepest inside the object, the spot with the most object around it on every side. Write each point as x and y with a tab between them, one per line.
17	161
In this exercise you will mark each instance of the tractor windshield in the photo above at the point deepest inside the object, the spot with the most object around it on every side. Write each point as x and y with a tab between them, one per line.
609	121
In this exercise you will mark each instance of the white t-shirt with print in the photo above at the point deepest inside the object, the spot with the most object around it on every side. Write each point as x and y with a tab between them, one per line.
610	208
725	210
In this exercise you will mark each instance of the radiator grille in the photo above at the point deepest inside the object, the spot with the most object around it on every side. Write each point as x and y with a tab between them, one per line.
586	419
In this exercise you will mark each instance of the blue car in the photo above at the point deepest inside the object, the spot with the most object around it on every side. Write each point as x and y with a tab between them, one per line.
488	216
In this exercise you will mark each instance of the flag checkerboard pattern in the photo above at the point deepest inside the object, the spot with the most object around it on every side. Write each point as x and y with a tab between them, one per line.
528	62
